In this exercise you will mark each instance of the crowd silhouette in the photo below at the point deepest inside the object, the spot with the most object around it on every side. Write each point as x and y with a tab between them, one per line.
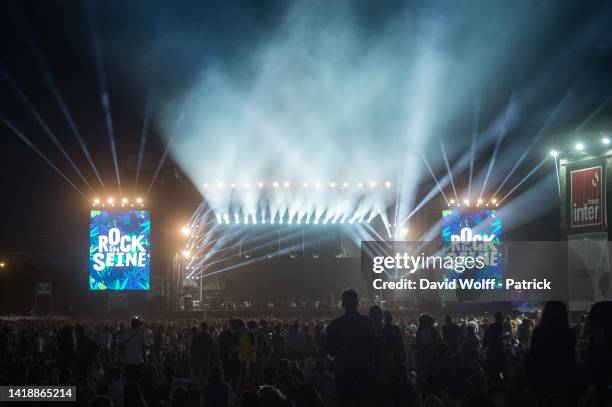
520	359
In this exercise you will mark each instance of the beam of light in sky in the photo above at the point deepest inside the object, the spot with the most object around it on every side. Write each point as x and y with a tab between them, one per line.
24	99
525	178
103	88
50	81
27	141
475	125
551	118
448	169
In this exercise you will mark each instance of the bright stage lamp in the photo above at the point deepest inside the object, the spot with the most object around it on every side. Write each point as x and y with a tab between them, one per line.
318	184
605	141
372	184
2	264
260	185
186	254
185	231
345	184
275	184
287	184
205	186
494	200
452	201
139	200
579	146
124	201
466	201
232	185
554	153
333	185
96	201
388	184
360	184
305	184
479	201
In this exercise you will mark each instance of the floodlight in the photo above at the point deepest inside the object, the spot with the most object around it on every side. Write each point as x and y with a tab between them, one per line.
185	231
372	184
205	185
287	184
388	184
275	184
111	200
605	141
452	201
579	146
333	185
554	153
139	200
96	201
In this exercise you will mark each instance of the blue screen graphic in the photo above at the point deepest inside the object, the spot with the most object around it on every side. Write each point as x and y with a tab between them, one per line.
474	233
119	250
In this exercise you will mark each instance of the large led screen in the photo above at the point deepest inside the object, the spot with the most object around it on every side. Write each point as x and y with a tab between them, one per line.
477	233
119	250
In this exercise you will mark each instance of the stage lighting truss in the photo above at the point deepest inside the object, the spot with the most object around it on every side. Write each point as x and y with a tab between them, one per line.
113	203
297	219
477	203
284	185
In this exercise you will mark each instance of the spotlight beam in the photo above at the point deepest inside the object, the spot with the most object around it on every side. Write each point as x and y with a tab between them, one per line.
432	175
537	167
50	81
448	169
500	137
166	150
24	99
104	95
23	138
549	120
476	122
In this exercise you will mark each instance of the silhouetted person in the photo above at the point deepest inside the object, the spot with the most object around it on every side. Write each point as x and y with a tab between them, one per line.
132	346
451	333
427	343
201	350
598	329
551	366
493	341
350	339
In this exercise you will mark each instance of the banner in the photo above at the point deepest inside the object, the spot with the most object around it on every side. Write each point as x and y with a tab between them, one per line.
587	192
119	250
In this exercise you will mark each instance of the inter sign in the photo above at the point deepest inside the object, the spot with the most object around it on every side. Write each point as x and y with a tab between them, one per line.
587	197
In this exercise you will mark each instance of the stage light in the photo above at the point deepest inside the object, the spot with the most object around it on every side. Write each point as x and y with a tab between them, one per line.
605	141
124	200
360	184
111	200
318	184
452	201
185	231
205	186
275	184
139	200
287	184
403	233
2	264
305	184
494	200
333	185
220	184
232	185
579	146
554	153
388	184
247	185
96	201
479	202
372	184
345	185
466	202
260	185
186	254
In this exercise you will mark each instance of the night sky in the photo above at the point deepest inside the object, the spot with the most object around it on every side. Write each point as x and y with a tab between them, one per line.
157	50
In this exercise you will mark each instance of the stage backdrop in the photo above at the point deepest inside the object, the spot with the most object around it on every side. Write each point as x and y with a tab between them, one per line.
119	250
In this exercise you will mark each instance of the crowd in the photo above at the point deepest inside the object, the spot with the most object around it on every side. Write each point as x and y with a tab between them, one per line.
521	359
